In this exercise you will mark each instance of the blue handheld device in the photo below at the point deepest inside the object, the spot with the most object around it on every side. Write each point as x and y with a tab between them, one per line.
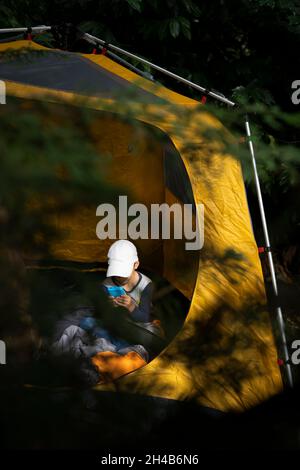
115	291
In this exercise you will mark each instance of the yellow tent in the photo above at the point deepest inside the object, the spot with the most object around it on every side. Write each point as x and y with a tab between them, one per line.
224	357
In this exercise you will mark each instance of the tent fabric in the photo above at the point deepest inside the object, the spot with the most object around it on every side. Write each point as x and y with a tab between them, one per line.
73	73
109	74
225	356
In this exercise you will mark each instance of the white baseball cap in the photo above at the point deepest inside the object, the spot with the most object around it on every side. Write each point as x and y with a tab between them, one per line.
121	257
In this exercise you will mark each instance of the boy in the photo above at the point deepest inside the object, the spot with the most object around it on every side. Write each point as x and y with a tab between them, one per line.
122	271
84	337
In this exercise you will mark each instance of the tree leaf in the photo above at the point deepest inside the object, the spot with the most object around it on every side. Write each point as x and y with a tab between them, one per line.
185	27
135	4
174	27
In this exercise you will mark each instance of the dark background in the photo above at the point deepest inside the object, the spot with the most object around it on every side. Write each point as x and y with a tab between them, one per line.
249	51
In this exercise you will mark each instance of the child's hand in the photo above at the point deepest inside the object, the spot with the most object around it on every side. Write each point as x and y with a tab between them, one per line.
125	301
113	301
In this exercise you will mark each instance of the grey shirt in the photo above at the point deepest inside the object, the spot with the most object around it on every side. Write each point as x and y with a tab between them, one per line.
141	293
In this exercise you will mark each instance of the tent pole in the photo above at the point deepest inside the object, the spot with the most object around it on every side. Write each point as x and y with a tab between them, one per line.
160	69
23	30
270	256
89	37
121	61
